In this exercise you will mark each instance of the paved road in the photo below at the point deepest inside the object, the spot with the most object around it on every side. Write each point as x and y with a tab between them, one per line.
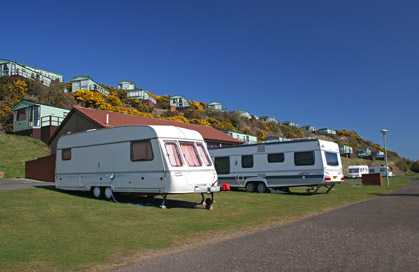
18	184
381	234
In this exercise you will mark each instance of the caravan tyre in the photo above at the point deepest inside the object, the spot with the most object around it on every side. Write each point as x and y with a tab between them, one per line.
250	187
108	193
261	188
97	192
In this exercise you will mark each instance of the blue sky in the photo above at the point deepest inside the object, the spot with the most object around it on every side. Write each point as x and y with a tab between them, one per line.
339	64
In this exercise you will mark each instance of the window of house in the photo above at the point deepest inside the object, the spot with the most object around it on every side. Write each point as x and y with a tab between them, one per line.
277	157
76	85
304	158
222	165
204	154
125	85
21	115
173	154
141	151
247	161
66	154
190	153
84	84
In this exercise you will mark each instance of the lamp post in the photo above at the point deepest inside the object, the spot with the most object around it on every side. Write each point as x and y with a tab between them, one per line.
384	132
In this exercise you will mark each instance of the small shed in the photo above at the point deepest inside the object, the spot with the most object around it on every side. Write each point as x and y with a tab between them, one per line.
247	138
327	131
87	83
290	124
309	128
37	120
346	151
244	114
268	119
179	101
215	106
379	155
135	93
363	152
276	138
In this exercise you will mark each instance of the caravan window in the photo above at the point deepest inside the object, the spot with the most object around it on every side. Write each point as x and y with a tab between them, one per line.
278	157
222	165
173	154
247	161
141	151
332	159
190	153
204	154
304	158
21	115
66	154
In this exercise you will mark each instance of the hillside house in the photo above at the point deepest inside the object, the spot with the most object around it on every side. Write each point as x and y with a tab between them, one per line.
290	124
268	119
244	114
37	120
247	138
87	83
378	154
275	138
215	106
135	93
327	131
179	101
11	68
363	153
308	128
346	151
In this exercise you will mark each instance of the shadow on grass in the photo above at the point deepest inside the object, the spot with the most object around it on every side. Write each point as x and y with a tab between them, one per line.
135	199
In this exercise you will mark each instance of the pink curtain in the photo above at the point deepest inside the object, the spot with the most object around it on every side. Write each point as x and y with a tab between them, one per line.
173	154
204	155
190	154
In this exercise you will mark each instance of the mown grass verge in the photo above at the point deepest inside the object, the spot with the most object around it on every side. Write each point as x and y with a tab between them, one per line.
16	150
49	230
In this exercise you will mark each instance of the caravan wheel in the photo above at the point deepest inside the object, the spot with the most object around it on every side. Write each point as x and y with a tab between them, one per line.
108	193
97	192
262	188
250	187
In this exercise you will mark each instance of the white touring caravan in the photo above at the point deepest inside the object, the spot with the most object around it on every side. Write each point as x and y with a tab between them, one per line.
153	160
279	165
356	171
381	169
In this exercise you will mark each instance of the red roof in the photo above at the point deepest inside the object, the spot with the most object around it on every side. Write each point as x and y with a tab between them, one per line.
117	119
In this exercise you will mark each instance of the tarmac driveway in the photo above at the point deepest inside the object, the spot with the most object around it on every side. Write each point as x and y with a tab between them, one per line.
19	184
380	234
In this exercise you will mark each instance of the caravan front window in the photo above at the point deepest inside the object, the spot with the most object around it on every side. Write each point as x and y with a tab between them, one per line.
278	157
173	154
190	154
204	154
141	151
332	159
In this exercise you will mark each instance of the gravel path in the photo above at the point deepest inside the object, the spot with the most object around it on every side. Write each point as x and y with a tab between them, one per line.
380	234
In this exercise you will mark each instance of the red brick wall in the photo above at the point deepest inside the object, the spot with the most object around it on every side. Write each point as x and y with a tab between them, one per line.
372	179
41	169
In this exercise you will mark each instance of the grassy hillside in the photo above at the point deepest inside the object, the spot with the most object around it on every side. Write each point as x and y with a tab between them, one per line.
15	150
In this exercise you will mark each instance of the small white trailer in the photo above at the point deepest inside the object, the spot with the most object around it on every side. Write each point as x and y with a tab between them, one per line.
152	160
279	165
356	171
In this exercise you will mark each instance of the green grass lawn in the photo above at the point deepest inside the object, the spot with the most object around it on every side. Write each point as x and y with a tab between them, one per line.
47	230
15	150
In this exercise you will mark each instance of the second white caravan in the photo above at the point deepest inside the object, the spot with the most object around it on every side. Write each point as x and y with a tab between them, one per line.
356	171
279	165
137	159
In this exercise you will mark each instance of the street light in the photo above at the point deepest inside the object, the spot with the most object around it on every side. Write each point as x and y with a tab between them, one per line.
384	132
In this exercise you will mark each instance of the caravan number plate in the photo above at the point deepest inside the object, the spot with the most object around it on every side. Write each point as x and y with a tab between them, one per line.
335	177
